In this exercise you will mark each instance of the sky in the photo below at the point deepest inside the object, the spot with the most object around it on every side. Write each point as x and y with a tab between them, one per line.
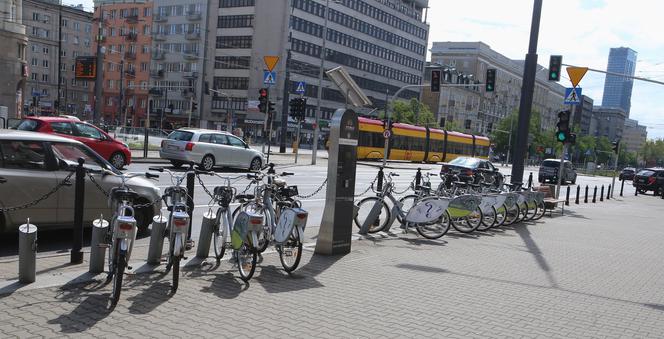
582	31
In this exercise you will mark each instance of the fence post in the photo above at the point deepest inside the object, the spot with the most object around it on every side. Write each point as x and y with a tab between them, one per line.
585	201
622	186
567	197
76	256
206	233
595	195
156	239
418	178
578	192
530	180
379	188
190	201
608	193
601	194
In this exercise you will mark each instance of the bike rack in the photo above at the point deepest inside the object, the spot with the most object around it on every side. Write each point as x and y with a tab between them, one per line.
27	253
156	239
97	248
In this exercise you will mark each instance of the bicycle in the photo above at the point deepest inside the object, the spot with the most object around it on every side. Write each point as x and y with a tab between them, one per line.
223	196
120	237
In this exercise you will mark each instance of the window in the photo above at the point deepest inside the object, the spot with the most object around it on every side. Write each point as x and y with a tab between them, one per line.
232	21
34	76
230	62
205	138
234	42
180	136
87	131
236	3
28	125
23	155
62	128
34	62
235	142
45	50
45	63
45	77
72	152
219	139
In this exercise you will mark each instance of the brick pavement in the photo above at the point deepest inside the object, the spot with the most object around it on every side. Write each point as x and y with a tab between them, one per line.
594	273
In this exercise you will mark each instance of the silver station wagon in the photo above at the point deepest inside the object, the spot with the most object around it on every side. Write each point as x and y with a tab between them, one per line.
209	149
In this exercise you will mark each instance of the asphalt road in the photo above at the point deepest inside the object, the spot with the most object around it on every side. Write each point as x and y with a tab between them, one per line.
308	178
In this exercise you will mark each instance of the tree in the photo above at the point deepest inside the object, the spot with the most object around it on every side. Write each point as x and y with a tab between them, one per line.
411	112
653	152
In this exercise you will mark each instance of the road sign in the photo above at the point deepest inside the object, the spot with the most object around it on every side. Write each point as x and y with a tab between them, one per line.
576	74
387	134
572	96
588	152
301	87
270	61
269	78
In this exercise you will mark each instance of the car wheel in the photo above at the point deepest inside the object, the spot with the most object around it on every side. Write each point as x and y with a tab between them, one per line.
118	160
255	165
177	164
207	164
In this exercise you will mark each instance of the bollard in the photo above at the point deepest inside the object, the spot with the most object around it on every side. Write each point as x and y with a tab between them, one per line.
27	253
585	200
662	189
97	245
207	229
190	200
379	188
595	195
601	195
76	256
567	197
157	239
578	193
608	193
418	178
622	186
530	180
636	191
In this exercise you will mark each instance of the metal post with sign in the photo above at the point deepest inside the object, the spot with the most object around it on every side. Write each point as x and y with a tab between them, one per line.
301	89
334	236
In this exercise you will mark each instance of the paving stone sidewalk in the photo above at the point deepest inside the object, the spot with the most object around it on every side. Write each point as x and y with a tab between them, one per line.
594	273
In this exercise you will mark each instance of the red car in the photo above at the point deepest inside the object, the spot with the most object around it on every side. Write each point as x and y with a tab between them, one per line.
116	152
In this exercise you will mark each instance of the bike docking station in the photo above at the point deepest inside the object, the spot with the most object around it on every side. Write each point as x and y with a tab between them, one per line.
97	242
336	229
27	253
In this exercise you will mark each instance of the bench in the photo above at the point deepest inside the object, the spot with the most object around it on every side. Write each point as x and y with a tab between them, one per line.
550	202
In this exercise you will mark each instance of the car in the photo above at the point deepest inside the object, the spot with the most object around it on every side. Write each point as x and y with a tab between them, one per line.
32	164
549	171
649	179
209	149
467	167
114	151
627	173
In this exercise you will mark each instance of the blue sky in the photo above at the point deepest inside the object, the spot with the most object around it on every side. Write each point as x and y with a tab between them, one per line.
580	30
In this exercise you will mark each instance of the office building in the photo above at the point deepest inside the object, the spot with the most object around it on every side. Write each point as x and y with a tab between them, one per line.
582	116
51	60
608	122
12	58
381	43
617	89
634	136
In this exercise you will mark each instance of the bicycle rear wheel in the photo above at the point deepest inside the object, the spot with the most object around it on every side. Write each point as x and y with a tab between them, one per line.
219	237
290	252
437	229
246	261
176	274
364	208
118	274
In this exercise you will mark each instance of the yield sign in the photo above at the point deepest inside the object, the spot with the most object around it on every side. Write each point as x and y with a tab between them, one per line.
576	74
270	61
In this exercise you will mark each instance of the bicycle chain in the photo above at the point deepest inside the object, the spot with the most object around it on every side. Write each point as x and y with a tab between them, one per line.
42	198
314	193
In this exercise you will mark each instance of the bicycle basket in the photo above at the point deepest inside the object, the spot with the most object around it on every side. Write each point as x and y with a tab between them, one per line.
289	191
223	194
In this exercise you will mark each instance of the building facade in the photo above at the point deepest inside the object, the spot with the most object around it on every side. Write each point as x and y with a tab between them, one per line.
127	42
52	62
381	43
634	136
476	110
582	116
12	59
618	90
608	122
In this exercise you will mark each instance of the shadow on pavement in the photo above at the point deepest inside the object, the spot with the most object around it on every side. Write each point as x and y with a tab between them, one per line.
226	286
151	297
524	233
92	306
422	268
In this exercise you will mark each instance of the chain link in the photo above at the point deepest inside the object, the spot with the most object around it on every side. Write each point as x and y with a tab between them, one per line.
94	181
200	181
315	192
404	191
102	190
42	198
371	187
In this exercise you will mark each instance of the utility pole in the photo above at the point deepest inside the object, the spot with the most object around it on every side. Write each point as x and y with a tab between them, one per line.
527	90
286	95
314	148
57	112
99	76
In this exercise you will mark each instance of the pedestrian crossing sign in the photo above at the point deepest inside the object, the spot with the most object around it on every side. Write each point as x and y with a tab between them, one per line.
301	87
572	96
269	78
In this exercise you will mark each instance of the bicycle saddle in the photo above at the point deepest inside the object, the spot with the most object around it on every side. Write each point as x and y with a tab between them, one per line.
244	197
279	182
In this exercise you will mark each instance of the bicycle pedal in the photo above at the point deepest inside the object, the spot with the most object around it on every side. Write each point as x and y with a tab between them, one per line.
129	267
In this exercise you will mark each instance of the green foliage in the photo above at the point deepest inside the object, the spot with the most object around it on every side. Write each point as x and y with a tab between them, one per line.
653	152
411	112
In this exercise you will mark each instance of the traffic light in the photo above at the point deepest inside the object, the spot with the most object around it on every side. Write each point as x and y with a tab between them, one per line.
435	81
562	135
555	63
56	103
490	79
615	146
298	107
194	106
271	107
572	139
262	100
207	88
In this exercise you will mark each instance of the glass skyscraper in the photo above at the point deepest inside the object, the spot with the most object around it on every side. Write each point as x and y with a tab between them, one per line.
618	90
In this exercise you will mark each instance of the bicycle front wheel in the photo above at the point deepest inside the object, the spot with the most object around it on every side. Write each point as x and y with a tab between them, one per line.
219	236
407	203
176	274
246	261
488	219
501	214
364	208
541	210
469	223
118	274
290	252
437	229
512	215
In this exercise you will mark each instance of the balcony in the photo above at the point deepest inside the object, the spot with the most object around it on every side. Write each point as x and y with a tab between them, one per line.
193	15
155	91
191	55
158	55
190	75
188	93
158	36
132	19
157	74
160	18
192	35
130	73
130	55
131	36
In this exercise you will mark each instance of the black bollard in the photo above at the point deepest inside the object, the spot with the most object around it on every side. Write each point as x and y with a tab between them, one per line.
190	200
601	195
595	195
567	198
379	184
636	191
76	256
418	178
530	180
608	193
585	201
578	193
622	186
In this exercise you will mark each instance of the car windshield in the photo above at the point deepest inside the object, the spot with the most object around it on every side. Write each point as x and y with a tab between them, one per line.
465	162
645	173
70	153
550	163
180	136
28	125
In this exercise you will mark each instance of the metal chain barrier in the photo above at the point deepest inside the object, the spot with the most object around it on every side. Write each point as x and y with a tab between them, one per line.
42	198
314	193
103	191
200	181
404	191
371	187
94	181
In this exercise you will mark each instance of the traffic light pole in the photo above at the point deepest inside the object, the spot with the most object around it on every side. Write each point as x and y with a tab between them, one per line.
560	170
615	168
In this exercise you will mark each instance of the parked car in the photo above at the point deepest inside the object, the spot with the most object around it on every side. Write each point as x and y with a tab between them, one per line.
467	167
549	171
209	149
649	179
115	151
32	164
627	173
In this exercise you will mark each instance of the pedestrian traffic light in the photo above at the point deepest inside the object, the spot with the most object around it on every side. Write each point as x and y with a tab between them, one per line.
435	81
555	63
615	146
271	107
298	107
194	106
562	135
572	139
262	100
490	79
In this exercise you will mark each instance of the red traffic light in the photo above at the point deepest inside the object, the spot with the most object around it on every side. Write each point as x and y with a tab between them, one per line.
263	92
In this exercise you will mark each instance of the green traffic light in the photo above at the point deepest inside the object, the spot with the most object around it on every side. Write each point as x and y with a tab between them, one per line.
554	74
561	136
